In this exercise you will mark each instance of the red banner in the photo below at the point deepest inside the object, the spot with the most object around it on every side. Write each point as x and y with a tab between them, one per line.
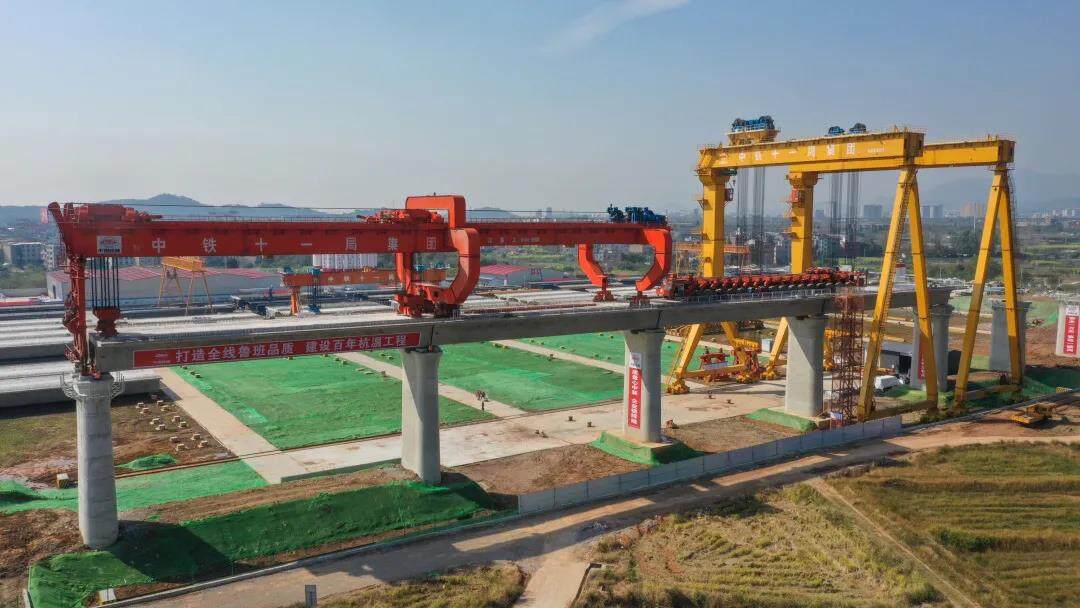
268	350
633	409
1072	328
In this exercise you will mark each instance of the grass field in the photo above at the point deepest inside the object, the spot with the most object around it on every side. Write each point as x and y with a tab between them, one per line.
784	548
520	378
151	552
1001	522
604	346
27	431
141	490
311	400
484	587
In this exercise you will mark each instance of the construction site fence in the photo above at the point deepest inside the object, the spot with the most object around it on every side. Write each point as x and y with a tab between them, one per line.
709	464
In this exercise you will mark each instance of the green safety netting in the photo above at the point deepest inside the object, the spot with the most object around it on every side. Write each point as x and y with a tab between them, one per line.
141	490
521	378
157	552
311	400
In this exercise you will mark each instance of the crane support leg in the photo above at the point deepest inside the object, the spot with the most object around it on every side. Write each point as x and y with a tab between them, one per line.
922	296
881	307
596	274
998	210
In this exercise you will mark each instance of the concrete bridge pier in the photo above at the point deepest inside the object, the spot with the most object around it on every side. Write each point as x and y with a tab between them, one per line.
999	335
804	395
98	521
420	412
642	387
939	321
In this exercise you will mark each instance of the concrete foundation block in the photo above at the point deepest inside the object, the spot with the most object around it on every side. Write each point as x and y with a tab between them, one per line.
715	463
634	480
536	501
662	474
691	467
740	457
764	451
572	494
873	428
852	432
811	440
788	445
603	487
891	426
832	437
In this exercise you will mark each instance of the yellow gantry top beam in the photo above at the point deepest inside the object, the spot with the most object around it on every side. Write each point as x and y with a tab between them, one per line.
865	152
868	151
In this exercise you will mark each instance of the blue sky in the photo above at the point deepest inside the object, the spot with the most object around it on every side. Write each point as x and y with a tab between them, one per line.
516	104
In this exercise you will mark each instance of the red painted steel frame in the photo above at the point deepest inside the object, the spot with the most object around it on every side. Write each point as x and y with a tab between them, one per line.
117	231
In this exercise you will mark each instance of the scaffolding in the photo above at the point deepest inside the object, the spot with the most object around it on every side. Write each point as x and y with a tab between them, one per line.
846	350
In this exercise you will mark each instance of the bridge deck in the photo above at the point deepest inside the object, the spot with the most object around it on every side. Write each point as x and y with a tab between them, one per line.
120	352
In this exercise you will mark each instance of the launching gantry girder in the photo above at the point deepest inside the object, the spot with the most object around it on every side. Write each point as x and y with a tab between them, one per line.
94	233
900	150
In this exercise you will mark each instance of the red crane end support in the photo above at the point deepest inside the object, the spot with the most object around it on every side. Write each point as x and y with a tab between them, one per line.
453	204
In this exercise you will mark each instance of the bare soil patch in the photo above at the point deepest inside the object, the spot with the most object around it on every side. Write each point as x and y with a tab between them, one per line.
27	537
44	439
545	469
727	434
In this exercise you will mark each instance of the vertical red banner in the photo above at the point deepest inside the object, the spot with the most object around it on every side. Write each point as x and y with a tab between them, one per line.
633	406
1072	329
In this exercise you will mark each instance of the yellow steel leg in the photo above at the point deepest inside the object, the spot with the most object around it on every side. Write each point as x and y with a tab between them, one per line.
802	251
922	296
1008	269
714	195
884	295
993	204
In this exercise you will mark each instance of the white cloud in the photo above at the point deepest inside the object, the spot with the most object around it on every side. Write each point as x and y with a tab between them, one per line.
604	19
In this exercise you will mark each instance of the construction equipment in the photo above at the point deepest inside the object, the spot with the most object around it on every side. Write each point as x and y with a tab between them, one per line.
317	277
96	234
844	358
1033	414
171	266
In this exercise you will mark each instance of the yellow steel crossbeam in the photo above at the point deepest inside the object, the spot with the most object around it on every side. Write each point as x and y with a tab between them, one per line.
840	153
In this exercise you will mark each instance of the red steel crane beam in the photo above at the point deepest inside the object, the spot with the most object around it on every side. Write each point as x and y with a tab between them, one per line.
98	232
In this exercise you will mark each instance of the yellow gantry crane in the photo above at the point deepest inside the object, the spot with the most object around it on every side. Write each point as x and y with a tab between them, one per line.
900	149
194	266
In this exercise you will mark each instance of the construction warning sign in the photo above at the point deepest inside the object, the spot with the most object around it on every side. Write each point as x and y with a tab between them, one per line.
1071	329
633	409
267	350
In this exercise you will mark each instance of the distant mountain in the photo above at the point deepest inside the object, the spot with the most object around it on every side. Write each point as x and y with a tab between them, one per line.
1035	191
177	205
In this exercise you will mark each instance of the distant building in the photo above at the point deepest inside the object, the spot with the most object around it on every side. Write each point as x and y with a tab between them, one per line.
971	210
23	254
819	214
509	275
52	255
871	212
140	285
345	261
933	212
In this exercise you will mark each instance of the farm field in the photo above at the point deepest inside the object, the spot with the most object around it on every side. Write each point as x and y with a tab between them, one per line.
788	547
1000	522
311	400
520	378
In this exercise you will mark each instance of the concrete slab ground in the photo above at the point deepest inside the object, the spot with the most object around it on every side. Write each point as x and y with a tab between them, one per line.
515	432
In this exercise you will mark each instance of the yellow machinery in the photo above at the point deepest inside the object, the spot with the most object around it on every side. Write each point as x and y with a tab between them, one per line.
1033	414
170	267
900	150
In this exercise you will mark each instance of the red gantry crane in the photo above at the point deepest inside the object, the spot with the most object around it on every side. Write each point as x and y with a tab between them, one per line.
95	234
